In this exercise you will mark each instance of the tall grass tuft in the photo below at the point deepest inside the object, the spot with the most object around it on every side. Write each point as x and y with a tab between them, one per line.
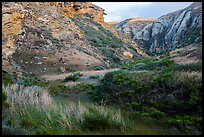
40	114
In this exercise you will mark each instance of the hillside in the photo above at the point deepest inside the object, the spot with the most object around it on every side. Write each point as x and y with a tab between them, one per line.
67	72
165	33
41	38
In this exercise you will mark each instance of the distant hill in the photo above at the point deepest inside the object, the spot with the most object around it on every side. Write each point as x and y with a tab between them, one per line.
41	38
166	32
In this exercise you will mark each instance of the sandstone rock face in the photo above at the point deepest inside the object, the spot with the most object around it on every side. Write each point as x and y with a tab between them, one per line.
127	55
71	8
73	31
165	33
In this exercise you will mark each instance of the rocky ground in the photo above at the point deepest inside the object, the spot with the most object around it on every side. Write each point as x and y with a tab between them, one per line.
48	37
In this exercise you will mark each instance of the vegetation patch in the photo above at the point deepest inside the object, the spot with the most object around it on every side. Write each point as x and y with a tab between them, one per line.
84	87
94	77
8	78
71	78
194	35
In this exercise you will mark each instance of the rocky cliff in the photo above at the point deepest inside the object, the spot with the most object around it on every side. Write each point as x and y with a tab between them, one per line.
130	27
54	37
165	33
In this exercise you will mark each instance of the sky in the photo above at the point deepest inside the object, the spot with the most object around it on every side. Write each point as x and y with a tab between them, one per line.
119	11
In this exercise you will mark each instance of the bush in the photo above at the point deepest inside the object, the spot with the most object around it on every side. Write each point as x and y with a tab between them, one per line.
184	67
27	122
95	121
78	73
156	113
121	87
143	64
163	80
120	78
180	120
55	87
101	118
4	99
166	62
71	78
193	94
7	78
84	87
33	81
98	67
94	77
110	75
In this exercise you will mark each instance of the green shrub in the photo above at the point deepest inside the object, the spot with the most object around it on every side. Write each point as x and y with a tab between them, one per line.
71	78
27	122
193	93
143	64
121	87
70	70
7	78
163	80
31	81
95	121
166	62
40	131
120	78
108	77
156	113
100	119
98	67
84	87
4	99
94	77
78	73
179	120
184	67
135	105
56	87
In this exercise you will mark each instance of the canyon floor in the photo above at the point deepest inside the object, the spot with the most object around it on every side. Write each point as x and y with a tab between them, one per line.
85	78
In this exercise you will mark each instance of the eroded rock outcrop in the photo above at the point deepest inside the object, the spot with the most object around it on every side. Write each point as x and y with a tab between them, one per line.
71	8
166	32
130	27
55	30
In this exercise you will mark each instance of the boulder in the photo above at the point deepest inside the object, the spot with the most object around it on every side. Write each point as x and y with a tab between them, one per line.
127	55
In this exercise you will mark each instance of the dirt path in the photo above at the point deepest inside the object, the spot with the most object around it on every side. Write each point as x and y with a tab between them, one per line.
83	79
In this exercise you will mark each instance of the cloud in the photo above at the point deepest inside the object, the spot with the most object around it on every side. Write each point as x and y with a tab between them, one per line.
161	8
118	11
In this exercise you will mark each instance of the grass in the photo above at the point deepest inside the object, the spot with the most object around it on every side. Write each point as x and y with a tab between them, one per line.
35	108
43	115
8	78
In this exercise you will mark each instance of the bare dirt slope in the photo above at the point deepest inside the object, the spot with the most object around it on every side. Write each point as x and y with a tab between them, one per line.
189	54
